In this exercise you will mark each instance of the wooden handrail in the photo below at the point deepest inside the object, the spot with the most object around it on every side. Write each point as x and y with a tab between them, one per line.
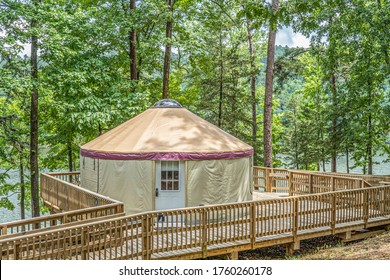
200	228
280	180
44	222
60	195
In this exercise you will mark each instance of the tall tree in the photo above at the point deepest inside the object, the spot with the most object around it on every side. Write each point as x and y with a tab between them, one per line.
252	86
133	46
168	46
34	116
269	87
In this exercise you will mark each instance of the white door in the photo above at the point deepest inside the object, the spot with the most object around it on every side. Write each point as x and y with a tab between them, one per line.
170	184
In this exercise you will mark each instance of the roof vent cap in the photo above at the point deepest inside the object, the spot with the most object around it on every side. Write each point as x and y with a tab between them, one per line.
167	103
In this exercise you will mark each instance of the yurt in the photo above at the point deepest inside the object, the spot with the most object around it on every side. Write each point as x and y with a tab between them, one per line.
167	158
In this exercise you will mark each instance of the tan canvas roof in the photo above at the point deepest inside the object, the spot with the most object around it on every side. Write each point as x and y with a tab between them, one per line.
164	131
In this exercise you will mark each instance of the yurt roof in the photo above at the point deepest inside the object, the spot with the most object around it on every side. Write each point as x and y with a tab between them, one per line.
166	131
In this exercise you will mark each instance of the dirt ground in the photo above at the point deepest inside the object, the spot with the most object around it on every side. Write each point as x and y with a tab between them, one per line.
328	248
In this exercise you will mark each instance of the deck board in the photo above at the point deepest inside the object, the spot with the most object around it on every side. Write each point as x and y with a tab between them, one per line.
179	244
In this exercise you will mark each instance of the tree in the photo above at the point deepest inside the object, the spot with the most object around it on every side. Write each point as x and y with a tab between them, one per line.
269	88
252	86
20	26
133	48
168	46
34	115
14	129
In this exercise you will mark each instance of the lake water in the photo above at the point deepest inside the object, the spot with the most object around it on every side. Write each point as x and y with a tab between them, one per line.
7	215
378	169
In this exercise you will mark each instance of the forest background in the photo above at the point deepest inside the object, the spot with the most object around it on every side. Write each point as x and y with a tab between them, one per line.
71	70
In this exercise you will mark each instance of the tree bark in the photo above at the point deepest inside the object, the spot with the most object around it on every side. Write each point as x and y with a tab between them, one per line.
269	75
220	80
22	185
253	89
334	124
370	138
347	157
133	47
70	157
333	136
34	122
167	56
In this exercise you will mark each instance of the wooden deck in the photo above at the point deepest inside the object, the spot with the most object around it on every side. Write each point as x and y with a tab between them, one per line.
91	226
201	232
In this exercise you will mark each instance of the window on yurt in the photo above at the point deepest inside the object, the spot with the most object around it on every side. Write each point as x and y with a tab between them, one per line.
169	175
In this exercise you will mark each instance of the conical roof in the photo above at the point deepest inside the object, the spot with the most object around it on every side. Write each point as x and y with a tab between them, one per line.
166	131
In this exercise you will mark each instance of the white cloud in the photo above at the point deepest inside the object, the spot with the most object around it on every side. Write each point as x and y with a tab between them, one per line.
287	37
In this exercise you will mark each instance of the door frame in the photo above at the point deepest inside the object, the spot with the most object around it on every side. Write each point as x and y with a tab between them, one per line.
181	193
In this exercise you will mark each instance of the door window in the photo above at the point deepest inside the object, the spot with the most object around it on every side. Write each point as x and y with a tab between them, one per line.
170	176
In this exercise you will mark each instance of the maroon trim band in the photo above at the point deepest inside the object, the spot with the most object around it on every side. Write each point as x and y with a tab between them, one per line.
167	155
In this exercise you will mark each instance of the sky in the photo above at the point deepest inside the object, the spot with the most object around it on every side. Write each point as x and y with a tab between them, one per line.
286	36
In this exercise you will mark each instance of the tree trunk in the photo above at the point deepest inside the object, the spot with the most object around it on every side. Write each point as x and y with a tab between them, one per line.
369	142
269	90
334	124
70	157
253	89
347	157
333	136
22	185
220	80
133	48
369	126
322	151
167	57
34	123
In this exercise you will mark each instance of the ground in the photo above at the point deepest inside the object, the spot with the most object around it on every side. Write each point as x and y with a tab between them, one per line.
328	248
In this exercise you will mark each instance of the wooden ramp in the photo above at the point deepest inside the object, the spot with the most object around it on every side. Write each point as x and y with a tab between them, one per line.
201	232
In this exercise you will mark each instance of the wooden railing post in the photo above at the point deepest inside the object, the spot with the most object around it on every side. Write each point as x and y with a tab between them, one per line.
4	230
291	247
296	219
119	208
64	219
146	240
366	203
253	225
204	232
84	245
333	222
311	183
333	183
268	187
16	251
290	186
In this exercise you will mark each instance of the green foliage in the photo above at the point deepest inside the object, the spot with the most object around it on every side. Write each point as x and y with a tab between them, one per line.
85	87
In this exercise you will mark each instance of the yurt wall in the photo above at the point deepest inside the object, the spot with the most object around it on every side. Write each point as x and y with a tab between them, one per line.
129	181
89	173
219	181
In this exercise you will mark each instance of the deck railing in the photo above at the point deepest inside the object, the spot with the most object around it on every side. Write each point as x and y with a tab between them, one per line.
374	180
297	182
60	194
201	230
51	221
310	183
70	177
270	179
